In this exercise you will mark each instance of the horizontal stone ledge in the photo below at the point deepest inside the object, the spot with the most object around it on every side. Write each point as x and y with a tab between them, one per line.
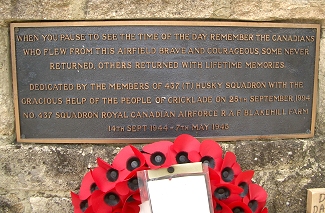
61	166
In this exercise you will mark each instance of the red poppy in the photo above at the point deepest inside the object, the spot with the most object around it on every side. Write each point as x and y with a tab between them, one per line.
256	198
183	145
88	186
220	207
230	169
106	202
128	187
210	152
106	176
239	207
214	176
243	180
157	154
128	159
227	193
132	203
265	210
80	206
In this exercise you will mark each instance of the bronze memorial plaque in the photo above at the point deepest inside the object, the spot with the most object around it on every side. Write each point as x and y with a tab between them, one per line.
139	81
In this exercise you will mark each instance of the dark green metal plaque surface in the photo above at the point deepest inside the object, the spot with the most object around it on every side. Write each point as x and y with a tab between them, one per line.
137	81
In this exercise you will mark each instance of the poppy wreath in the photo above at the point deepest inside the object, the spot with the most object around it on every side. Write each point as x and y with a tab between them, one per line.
114	187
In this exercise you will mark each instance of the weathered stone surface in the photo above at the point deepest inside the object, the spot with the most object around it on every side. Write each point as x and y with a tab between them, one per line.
103	9
321	96
278	10
38	177
43	167
11	202
6	97
270	154
222	9
33	202
53	203
46	9
285	168
5	9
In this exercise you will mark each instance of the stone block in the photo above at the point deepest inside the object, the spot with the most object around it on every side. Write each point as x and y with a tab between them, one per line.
104	9
48	167
47	9
278	10
5	9
321	94
270	154
52	203
6	97
33	202
285	168
11	202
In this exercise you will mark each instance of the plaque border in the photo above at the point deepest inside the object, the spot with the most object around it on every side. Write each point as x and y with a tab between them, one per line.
189	23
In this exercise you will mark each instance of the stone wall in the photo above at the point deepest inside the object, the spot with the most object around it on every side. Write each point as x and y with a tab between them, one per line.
39	177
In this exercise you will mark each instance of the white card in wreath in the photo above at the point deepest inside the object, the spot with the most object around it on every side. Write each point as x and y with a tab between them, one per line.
179	188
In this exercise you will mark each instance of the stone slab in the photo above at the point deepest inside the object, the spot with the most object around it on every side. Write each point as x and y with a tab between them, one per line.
143	9
46	10
278	10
